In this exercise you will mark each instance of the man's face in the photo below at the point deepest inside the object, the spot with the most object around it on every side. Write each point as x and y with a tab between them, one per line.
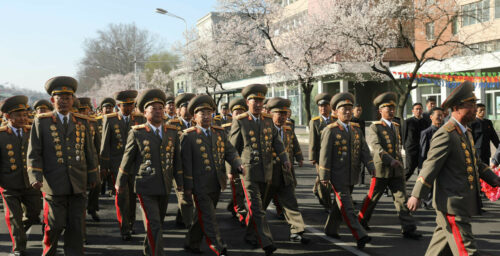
126	108
324	109
84	111
18	118
430	105
238	112
467	111
417	111
107	110
224	111
203	117
42	110
387	112
437	118
154	113
62	102
279	118
357	111
344	113
170	109
481	112
255	106
184	113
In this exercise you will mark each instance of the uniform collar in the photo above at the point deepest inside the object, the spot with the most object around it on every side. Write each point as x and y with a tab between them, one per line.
15	130
389	123
154	128
462	128
254	118
346	126
61	116
326	118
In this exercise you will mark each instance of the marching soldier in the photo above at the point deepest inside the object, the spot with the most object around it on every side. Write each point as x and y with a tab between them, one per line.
185	210
116	127
106	106
283	181
42	106
316	126
343	148
93	196
453	167
385	141
237	203
170	108
254	136
225	116
154	147
15	188
61	162
204	150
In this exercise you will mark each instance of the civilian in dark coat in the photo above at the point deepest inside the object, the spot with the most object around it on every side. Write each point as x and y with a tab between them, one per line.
412	128
430	103
357	111
483	133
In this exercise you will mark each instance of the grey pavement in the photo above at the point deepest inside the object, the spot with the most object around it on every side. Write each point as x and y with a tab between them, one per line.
104	236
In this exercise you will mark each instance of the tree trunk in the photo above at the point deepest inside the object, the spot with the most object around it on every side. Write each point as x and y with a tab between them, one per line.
307	89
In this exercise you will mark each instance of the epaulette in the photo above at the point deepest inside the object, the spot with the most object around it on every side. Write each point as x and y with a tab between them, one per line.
139	126
190	129
44	115
227	125
241	116
378	122
333	125
217	117
316	118
289	122
98	118
174	121
450	126
115	114
168	126
4	128
217	127
27	127
137	114
396	124
355	124
81	116
267	115
286	127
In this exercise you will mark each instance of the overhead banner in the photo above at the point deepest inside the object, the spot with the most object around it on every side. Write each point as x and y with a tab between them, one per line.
452	80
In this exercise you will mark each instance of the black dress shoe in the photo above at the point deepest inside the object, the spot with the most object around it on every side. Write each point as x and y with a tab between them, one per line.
364	224
188	248
17	253
253	243
412	235
269	250
94	216
336	236
126	237
299	238
223	252
363	241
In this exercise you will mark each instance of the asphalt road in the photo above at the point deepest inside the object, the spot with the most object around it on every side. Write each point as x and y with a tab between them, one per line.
104	236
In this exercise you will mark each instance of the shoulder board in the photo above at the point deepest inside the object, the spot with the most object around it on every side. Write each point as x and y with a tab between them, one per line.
241	116
139	126
394	123
3	128
378	122
44	115
316	118
450	126
27	127
173	127
333	125
191	129
81	116
227	125
217	116
286	127
174	121
98	118
217	127
229	117
267	115
354	124
112	115
165	118
137	114
289	122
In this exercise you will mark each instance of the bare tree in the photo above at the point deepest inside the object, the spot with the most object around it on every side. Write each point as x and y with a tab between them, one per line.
113	51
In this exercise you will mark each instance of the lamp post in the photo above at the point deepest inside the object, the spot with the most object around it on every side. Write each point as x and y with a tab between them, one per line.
136	78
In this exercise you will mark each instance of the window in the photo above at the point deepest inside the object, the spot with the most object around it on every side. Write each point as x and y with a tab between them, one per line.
477	12
454	25
429	30
497	9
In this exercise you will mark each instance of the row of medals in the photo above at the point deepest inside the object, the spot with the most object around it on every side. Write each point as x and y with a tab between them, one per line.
218	155
342	146
388	141
267	142
169	148
80	140
288	148
11	154
468	161
118	136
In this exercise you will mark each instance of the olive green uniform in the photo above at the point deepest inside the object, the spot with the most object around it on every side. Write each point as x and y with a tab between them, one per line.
221	120
18	196
64	160
203	158
114	136
93	195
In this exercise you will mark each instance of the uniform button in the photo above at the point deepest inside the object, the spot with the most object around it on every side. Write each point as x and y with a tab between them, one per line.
69	166
24	160
69	157
69	148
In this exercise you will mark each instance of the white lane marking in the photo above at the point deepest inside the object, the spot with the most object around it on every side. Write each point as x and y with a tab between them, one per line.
343	245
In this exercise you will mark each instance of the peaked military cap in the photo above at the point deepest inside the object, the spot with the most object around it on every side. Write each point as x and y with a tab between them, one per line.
385	99
107	102
201	102
463	93
85	102
182	100
322	98
170	98
127	96
61	85
342	99
238	103
150	96
76	105
279	104
42	104
257	91
224	105
15	103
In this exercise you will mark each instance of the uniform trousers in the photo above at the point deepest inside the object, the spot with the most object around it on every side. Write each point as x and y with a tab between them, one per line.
452	236
125	203
153	209
257	226
185	210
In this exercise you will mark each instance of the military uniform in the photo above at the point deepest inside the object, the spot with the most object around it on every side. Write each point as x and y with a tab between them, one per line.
151	160
454	168
116	128
255	138
19	198
316	125
284	181
204	152
385	141
107	180
223	119
236	204
343	149
43	105
61	155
